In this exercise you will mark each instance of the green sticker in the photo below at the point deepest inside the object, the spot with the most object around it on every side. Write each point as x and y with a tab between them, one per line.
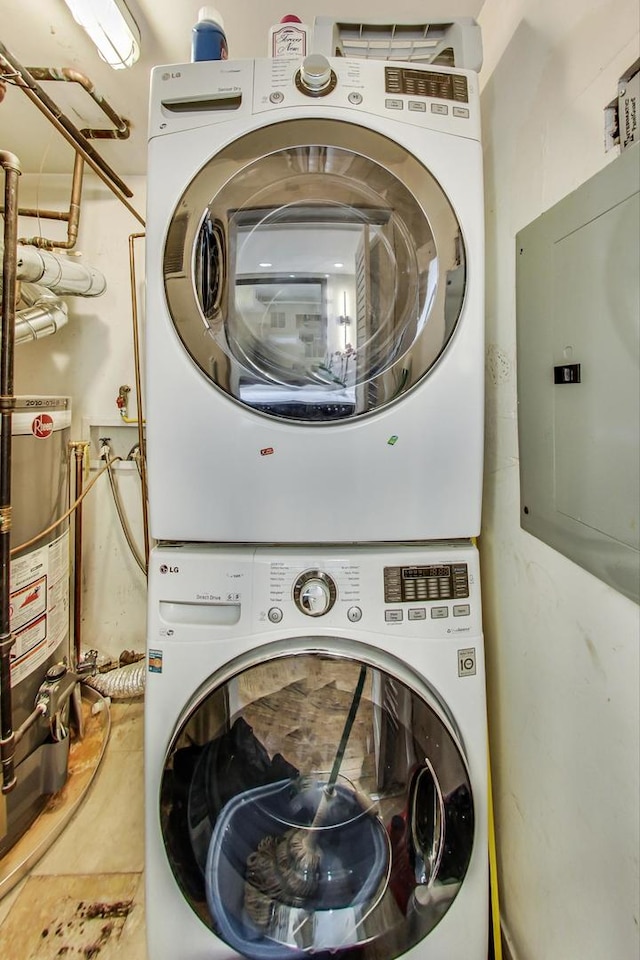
392	440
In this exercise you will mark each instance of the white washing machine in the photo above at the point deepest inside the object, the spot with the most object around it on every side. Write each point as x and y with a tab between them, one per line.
314	302
316	753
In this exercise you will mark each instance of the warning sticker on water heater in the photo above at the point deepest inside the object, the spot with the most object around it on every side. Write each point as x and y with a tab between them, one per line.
39	607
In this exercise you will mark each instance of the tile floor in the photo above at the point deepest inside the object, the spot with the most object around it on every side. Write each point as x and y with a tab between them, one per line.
85	897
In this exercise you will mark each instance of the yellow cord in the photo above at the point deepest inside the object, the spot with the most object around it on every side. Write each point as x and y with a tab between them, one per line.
493	860
493	869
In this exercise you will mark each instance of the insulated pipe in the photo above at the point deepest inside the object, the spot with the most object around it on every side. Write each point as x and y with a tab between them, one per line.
44	315
63	275
11	167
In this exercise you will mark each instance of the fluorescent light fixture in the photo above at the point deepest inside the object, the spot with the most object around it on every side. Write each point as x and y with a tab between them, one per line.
112	29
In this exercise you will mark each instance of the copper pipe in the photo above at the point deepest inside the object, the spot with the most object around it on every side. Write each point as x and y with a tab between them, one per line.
139	404
72	216
42	214
122	126
11	167
21	77
69	131
97	133
79	448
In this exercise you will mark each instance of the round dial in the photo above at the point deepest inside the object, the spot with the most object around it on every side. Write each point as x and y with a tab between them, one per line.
316	78
314	593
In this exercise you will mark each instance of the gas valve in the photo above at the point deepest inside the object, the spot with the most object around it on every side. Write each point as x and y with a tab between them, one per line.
55	691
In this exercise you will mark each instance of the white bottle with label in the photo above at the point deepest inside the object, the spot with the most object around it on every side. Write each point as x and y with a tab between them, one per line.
289	38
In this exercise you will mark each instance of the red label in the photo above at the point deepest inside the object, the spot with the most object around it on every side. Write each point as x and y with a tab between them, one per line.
266	451
42	426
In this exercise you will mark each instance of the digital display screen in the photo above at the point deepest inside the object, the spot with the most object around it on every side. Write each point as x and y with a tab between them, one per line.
412	573
423	584
427	83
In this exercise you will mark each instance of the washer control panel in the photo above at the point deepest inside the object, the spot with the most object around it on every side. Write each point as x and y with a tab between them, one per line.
431	591
421	592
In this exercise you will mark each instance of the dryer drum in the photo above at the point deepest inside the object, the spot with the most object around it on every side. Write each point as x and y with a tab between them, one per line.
327	280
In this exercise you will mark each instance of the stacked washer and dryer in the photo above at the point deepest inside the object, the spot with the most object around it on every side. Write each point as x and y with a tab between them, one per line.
316	692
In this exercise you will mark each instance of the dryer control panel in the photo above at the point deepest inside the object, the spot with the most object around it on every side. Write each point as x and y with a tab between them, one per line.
192	95
426	83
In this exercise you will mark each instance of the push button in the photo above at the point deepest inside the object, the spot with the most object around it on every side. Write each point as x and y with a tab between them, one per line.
394	104
418	613
462	610
439	613
393	616
275	615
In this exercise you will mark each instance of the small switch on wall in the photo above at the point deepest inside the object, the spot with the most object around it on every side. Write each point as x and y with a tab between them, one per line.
567	373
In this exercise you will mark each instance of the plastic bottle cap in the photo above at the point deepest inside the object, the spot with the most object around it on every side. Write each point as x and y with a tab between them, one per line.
210	13
290	18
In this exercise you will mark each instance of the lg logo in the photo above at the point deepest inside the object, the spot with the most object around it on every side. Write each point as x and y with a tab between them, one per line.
165	569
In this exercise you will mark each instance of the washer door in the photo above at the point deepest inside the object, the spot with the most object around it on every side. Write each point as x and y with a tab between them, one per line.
314	270
312	801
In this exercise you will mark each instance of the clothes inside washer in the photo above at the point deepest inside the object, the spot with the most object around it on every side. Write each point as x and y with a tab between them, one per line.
204	779
227	766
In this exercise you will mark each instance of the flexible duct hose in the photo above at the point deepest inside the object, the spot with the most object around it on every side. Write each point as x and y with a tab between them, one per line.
122	683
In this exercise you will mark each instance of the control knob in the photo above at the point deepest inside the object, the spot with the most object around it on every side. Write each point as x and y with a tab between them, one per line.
316	78
314	593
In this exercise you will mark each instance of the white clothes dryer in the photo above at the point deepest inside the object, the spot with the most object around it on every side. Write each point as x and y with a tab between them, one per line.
315	752
314	312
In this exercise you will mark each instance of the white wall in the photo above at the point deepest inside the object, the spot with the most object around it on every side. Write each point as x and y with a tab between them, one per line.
562	646
88	360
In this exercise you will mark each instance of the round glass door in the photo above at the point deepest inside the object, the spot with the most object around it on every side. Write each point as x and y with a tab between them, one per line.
315	803
314	270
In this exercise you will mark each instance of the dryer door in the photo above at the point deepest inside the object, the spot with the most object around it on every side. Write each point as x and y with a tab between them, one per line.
314	270
317	800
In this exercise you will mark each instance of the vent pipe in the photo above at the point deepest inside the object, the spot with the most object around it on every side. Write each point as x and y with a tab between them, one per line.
63	275
44	314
